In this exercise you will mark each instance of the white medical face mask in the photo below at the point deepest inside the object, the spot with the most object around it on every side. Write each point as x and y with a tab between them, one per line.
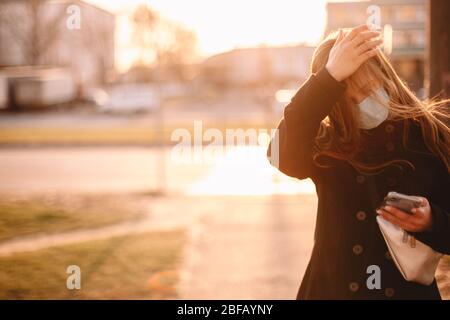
371	112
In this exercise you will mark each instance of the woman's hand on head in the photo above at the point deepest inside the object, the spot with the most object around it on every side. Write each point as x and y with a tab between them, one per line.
419	221
352	50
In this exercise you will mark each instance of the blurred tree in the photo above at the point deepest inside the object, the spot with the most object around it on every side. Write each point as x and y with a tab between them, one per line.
162	43
145	21
34	35
97	40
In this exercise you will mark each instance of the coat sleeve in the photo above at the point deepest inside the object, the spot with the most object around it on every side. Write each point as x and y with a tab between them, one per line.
439	236
291	146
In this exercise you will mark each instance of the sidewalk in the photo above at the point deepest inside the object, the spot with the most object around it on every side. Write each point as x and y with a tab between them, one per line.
254	248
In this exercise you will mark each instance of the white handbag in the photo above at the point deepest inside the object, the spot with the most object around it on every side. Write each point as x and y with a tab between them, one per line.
415	260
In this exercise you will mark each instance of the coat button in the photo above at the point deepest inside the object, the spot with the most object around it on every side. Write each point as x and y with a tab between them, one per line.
390	146
389	292
360	178
388	255
389	128
361	215
391	181
353	286
357	249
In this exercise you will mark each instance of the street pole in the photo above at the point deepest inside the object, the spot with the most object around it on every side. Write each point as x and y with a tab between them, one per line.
438	57
162	170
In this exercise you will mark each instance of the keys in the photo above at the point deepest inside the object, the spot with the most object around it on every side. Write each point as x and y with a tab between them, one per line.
405	237
412	240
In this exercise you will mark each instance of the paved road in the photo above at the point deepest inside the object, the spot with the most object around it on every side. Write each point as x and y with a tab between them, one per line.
243	171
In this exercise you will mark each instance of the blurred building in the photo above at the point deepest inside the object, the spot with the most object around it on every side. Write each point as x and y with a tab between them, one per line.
38	34
408	19
258	66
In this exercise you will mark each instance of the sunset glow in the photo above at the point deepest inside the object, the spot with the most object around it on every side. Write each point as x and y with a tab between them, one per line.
223	25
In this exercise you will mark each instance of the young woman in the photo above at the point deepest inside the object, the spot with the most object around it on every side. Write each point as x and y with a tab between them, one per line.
358	132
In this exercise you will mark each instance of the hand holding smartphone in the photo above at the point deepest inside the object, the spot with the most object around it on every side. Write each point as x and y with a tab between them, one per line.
401	201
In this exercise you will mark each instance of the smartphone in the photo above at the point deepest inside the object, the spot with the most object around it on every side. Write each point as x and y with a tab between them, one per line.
401	201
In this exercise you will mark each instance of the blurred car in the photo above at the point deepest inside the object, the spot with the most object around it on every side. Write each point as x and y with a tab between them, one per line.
129	98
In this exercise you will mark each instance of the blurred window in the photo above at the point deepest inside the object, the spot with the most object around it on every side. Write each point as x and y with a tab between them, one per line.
421	14
408	13
387	14
420	38
409	38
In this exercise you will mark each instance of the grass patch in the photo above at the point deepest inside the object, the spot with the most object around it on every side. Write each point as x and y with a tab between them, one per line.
142	266
60	135
103	135
24	216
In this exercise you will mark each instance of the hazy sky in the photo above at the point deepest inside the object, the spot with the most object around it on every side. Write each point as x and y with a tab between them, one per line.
222	25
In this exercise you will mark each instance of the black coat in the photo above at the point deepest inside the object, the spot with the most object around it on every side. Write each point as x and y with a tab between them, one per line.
347	236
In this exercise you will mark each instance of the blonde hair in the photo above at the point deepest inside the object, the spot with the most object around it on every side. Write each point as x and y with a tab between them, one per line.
339	136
